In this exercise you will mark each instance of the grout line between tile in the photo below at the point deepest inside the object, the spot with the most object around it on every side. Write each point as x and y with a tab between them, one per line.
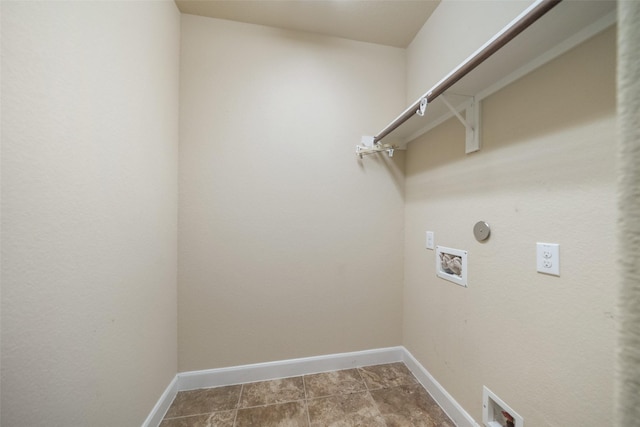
274	404
194	415
375	404
306	399
235	417
366	386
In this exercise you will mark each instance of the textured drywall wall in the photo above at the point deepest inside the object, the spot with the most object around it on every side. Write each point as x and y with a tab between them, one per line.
289	246
0	219
452	33
89	210
628	372
544	344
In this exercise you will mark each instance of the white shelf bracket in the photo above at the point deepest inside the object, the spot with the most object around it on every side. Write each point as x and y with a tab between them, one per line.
471	122
472	140
369	146
366	150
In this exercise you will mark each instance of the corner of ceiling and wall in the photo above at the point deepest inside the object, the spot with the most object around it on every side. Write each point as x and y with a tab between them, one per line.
390	23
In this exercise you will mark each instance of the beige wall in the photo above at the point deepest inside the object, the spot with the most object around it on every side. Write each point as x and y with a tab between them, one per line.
289	246
89	210
544	344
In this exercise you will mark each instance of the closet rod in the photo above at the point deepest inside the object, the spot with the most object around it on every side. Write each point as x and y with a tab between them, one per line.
531	15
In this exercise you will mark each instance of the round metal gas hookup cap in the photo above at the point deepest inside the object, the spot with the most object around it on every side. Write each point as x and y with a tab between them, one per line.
481	231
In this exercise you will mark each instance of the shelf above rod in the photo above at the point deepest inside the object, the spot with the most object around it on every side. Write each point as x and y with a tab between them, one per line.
521	23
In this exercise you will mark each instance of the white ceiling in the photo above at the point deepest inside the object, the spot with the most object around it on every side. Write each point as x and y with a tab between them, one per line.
387	22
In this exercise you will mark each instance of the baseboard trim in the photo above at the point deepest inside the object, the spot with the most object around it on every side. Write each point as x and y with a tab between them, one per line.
449	405
304	366
162	406
287	368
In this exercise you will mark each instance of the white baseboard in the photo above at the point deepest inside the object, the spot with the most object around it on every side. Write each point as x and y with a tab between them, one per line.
162	406
448	404
309	365
287	368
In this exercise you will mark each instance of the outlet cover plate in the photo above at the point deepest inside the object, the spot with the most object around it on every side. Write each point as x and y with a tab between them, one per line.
429	243
548	258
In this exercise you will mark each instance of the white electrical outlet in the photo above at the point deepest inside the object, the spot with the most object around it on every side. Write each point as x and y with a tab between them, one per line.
548	258
430	240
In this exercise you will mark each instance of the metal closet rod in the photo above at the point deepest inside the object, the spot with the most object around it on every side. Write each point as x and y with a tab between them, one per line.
501	39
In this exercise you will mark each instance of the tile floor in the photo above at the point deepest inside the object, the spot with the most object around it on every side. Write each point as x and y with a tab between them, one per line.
372	396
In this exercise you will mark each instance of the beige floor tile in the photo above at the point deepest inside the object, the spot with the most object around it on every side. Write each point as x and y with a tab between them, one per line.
217	419
270	392
356	409
204	401
409	406
390	375
332	383
292	414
